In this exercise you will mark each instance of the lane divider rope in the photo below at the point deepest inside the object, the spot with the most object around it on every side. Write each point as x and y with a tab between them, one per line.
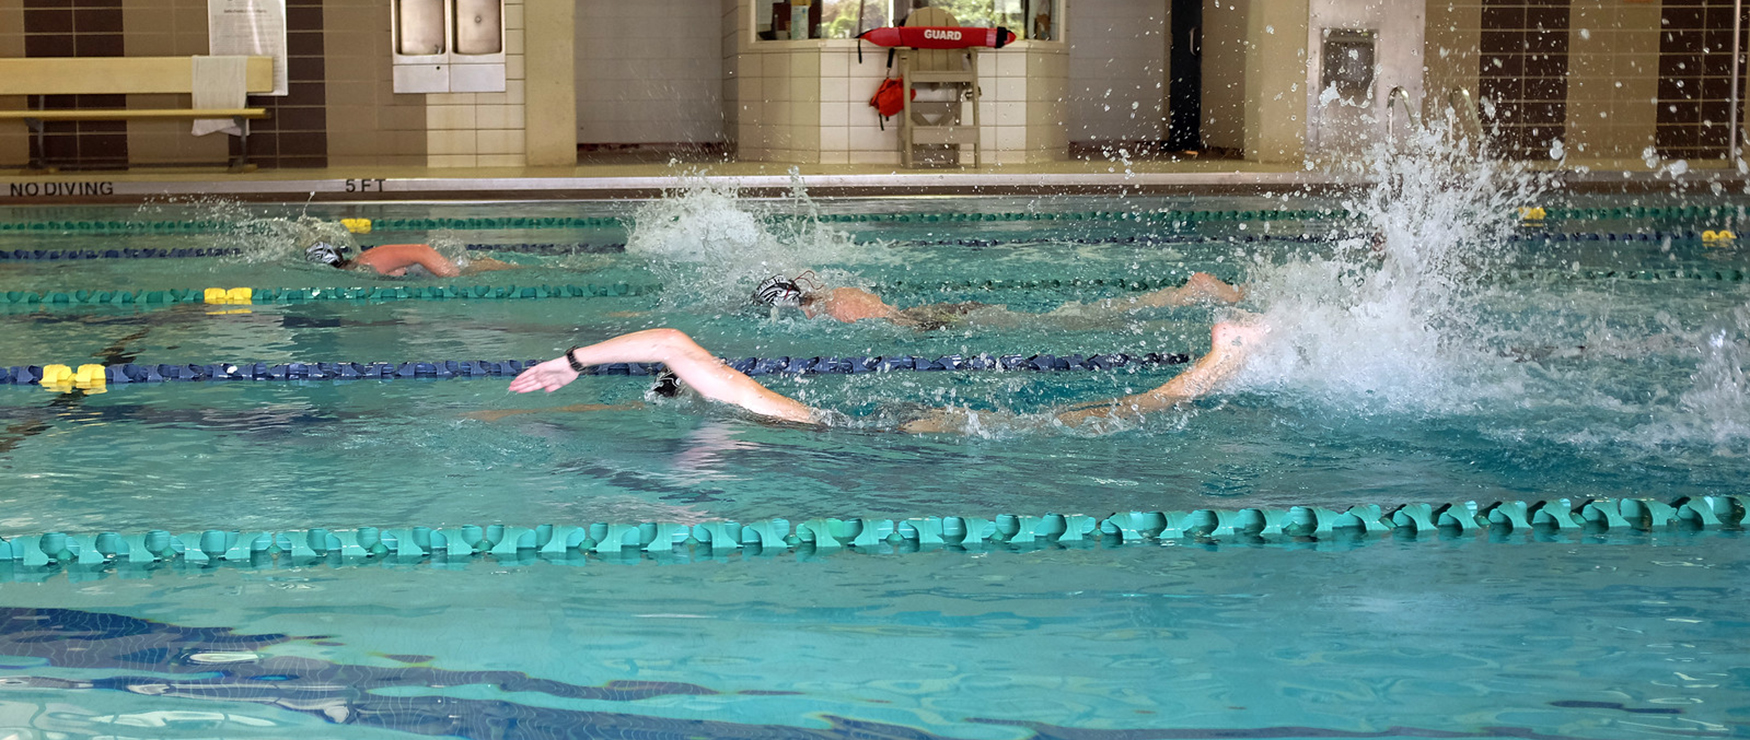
565	541
302	295
63	377
201	226
54	255
441	292
1706	236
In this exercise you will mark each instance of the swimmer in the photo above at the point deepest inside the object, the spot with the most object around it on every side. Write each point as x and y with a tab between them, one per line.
698	368
851	305
395	260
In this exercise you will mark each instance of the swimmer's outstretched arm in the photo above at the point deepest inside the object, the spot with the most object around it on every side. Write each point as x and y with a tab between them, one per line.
1201	287
1230	344
691	363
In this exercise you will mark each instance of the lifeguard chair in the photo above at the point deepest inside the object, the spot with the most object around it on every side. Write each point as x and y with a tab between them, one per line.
947	79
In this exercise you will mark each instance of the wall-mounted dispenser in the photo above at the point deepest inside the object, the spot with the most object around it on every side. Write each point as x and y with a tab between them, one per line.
448	45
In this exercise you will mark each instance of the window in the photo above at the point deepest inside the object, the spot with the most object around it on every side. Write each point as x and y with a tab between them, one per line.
837	19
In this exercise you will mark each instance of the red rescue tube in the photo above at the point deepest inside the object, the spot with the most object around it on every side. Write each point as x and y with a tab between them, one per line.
940	37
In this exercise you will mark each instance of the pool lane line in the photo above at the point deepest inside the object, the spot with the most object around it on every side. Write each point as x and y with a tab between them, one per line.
1153	215
55	376
1718	238
262	296
305	295
563	541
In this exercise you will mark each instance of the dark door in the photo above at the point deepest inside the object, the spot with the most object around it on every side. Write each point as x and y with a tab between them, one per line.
1185	77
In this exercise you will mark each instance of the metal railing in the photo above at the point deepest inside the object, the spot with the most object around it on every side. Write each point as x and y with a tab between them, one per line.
1397	99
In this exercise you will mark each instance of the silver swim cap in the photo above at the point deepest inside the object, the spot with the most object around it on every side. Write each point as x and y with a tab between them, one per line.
779	291
324	253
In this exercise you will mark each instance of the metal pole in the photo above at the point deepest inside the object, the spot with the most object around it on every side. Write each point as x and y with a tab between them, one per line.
1737	78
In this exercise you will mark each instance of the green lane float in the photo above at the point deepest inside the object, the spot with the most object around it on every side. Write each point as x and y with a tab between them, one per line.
45	553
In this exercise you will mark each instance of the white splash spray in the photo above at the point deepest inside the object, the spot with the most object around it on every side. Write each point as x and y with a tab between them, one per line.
710	246
1389	320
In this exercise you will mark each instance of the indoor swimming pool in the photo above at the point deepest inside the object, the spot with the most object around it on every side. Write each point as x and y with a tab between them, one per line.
1434	345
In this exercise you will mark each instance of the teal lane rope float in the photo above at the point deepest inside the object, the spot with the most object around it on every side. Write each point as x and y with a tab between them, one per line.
51	375
551	248
1158	215
567	541
624	290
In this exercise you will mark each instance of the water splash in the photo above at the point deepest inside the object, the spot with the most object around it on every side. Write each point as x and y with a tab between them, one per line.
1716	407
1391	319
710	246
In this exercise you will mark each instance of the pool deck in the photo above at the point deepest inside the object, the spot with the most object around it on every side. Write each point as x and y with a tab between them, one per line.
634	180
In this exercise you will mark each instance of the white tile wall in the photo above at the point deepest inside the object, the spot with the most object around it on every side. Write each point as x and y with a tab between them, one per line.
674	71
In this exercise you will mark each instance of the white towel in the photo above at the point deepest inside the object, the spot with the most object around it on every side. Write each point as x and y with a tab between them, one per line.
220	82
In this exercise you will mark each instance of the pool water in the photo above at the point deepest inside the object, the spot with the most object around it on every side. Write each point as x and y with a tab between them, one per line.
1501	368
1592	637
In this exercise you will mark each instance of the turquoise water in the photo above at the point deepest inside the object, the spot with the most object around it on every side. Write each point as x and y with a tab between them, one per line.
1557	386
1593	637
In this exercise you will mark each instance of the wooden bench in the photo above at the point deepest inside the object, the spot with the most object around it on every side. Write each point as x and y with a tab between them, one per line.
120	76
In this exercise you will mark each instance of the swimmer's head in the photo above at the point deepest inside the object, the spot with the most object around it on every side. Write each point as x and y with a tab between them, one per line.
779	292
325	254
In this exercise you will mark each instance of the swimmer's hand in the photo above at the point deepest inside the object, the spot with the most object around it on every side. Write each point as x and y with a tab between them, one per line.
548	376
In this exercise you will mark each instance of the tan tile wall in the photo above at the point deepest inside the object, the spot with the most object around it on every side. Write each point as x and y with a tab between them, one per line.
1275	85
736	26
1045	116
551	83
781	99
1613	79
368	124
1224	73
1454	36
162	28
1613	70
484	129
14	141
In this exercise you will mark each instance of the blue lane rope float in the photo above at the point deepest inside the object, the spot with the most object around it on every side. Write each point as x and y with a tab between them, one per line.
57	376
53	255
60	255
305	295
563	542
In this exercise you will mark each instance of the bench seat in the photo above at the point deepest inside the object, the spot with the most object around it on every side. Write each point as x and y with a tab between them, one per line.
129	114
121	76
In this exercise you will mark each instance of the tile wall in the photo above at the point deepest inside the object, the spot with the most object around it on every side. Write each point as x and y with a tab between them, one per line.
160	29
90	28
1695	78
1613	79
1523	72
295	132
808	102
369	125
483	129
14	142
